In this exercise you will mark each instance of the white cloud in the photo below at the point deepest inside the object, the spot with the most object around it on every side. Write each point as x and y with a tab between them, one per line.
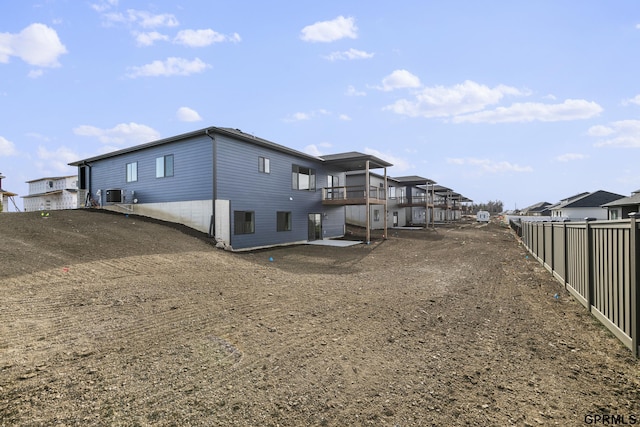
121	134
569	157
599	130
624	134
148	39
351	91
399	79
349	55
635	100
489	166
38	136
399	164
570	109
312	150
37	45
104	5
7	148
315	150
202	38
34	74
329	31
170	67
297	117
345	117
186	114
301	116
57	160
140	18
148	20
441	101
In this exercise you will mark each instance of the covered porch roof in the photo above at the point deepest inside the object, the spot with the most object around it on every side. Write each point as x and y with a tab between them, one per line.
354	161
414	180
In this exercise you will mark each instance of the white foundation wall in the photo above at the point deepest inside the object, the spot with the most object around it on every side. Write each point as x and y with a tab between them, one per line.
195	214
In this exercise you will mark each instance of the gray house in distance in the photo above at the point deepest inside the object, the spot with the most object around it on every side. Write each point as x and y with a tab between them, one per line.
621	208
245	191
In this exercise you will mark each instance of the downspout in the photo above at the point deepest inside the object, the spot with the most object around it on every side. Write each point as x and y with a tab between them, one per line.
88	183
214	174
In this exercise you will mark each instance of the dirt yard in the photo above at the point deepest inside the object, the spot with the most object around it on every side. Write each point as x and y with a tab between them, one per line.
114	320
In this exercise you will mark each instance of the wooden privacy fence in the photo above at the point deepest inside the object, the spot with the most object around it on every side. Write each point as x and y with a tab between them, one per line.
597	261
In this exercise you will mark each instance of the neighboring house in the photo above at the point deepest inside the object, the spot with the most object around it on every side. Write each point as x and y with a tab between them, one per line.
245	191
584	205
539	209
621	208
416	199
357	214
6	197
447	204
407	203
52	193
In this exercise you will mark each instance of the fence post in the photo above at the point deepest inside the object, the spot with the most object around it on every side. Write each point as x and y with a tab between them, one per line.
565	256
589	261
635	280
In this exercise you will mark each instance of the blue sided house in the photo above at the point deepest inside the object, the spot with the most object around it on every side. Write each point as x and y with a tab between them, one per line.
245	191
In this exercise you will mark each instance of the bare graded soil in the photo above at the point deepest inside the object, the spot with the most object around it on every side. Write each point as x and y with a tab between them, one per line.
116	320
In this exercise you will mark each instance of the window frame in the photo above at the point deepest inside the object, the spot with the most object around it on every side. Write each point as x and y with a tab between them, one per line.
162	166
240	223
264	165
284	221
132	172
295	177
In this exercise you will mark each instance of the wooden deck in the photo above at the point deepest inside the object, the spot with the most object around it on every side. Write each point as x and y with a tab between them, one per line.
353	195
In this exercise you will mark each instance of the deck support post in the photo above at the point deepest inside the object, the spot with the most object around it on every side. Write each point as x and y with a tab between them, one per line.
386	214
367	189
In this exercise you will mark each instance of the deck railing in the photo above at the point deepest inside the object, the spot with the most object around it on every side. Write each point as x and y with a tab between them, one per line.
353	192
597	261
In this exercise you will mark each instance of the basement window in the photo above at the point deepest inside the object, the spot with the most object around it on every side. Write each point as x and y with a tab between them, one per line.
284	221
243	222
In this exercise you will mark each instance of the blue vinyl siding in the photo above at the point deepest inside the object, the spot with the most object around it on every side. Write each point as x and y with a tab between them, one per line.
192	178
240	181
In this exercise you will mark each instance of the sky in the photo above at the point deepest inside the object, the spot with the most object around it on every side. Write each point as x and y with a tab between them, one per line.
517	101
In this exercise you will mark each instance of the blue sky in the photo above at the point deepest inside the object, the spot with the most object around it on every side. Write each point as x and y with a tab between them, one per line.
518	101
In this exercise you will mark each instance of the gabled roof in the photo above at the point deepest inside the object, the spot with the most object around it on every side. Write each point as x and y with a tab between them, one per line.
349	161
632	200
567	200
211	132
591	200
537	207
52	178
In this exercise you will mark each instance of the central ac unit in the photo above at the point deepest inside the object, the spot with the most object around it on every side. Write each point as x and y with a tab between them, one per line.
114	196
